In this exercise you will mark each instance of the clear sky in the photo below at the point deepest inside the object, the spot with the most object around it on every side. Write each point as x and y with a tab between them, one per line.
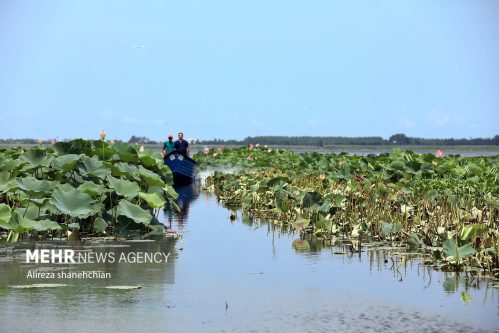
231	69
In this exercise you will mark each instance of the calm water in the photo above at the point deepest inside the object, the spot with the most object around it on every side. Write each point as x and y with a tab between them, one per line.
243	276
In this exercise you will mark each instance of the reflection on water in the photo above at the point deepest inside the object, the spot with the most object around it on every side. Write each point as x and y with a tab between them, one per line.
237	274
388	257
186	194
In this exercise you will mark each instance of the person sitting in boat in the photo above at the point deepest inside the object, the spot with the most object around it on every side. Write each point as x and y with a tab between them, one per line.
181	145
168	145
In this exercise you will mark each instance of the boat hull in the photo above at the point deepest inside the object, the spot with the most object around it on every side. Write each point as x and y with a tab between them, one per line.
183	168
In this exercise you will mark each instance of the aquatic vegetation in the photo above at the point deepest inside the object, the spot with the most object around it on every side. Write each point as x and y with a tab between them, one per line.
446	206
82	187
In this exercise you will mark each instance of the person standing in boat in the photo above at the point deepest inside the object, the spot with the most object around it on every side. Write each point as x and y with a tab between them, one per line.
181	145
168	145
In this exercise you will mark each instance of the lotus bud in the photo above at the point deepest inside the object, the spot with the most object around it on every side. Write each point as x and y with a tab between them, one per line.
103	135
141	148
356	231
220	149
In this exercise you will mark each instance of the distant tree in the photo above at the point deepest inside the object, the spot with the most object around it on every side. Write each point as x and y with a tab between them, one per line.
140	140
400	138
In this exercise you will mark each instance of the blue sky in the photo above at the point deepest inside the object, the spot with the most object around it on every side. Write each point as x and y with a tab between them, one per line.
231	69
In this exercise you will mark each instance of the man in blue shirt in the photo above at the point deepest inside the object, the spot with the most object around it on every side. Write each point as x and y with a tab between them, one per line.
181	145
168	145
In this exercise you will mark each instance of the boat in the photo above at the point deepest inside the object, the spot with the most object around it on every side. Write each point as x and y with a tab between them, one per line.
183	167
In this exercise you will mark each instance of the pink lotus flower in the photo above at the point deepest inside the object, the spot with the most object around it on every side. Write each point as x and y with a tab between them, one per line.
248	158
251	146
53	142
220	149
214	155
439	153
207	150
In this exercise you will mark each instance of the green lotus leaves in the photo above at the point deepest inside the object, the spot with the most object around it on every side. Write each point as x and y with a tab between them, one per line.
5	214
472	231
124	187
133	212
126	152
457	253
31	212
33	186
311	200
92	166
301	222
92	189
66	162
154	200
389	228
329	194
77	146
36	157
10	165
147	161
7	184
74	203
80	182
40	225
21	223
100	225
127	170
149	177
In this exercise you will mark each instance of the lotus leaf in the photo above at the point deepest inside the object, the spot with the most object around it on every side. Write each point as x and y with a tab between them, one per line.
154	200
124	187
66	162
74	203
134	212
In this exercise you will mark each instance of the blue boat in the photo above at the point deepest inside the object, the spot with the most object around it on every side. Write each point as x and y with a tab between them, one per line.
182	166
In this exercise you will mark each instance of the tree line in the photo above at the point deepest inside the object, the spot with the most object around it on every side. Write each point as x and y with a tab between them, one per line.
317	141
323	141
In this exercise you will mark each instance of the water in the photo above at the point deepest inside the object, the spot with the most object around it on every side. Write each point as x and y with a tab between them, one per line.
243	276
